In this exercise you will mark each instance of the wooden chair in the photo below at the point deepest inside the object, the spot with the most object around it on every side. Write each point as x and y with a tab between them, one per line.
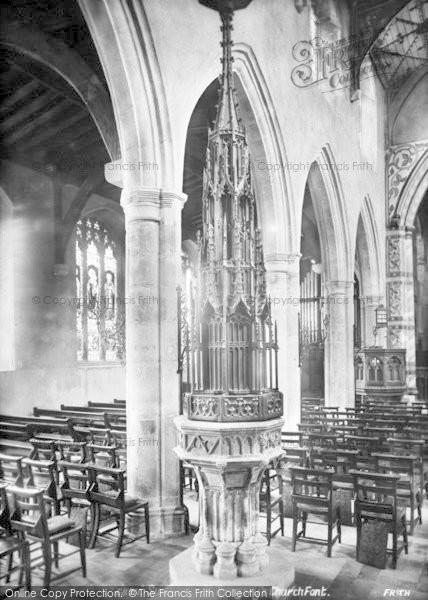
188	477
107	490
271	502
365	444
409	493
75	486
366	463
43	449
410	447
342	462
318	442
71	451
105	456
29	518
119	440
297	457
313	495
43	474
11	469
376	503
100	436
322	439
291	439
75	494
10	544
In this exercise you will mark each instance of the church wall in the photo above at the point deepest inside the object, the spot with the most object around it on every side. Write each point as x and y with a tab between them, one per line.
45	372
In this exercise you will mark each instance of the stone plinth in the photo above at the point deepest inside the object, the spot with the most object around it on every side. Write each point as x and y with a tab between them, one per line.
229	460
277	574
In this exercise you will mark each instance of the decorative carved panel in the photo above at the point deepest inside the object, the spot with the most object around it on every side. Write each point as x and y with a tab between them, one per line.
393	254
401	160
394	299
226	408
395	338
231	444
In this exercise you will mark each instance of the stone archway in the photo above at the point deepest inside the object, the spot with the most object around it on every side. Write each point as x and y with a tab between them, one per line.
123	39
337	259
413	191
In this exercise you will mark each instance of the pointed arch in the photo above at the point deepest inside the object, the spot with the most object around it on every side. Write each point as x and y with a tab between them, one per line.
270	175
266	140
327	194
413	192
368	247
125	46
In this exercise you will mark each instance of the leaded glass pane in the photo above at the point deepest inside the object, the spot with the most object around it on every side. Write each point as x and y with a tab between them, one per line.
96	290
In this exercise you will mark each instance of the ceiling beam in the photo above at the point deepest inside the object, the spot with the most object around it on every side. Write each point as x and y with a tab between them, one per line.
60	127
20	94
44	77
66	62
368	20
75	137
40	121
30	109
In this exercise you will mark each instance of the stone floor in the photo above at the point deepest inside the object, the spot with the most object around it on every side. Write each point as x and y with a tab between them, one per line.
344	578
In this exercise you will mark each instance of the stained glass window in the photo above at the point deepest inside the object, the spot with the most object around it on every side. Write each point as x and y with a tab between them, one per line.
99	335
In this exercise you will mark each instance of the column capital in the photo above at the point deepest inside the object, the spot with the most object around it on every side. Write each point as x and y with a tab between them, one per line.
145	203
335	287
282	262
170	198
374	300
396	231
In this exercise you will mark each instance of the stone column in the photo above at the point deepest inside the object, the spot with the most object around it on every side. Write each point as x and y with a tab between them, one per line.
283	286
153	238
400	298
339	347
